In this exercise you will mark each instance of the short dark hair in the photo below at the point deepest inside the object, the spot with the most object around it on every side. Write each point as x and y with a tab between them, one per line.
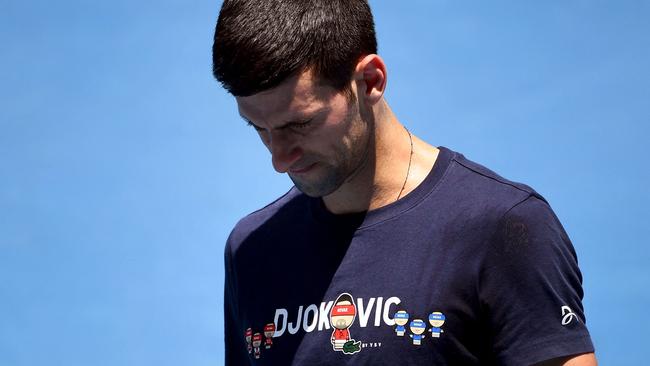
260	43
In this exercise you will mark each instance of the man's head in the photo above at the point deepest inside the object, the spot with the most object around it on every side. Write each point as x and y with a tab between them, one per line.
417	326
343	312
306	76
401	317
249	335
436	319
269	330
258	44
257	339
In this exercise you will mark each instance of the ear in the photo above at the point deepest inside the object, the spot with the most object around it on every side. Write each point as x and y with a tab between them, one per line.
370	72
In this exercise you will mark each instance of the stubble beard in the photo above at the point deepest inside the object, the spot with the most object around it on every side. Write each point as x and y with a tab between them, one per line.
331	178
347	161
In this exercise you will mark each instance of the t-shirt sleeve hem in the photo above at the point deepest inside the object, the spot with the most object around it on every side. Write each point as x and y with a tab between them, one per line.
549	349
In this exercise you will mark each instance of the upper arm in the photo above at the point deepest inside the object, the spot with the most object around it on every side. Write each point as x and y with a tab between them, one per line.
531	290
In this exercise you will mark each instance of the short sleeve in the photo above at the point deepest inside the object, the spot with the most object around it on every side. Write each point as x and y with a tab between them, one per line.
531	288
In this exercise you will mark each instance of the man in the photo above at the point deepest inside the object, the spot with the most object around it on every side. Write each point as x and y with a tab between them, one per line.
378	217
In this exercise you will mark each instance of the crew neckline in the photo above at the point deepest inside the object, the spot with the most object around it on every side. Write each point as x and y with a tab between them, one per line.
368	218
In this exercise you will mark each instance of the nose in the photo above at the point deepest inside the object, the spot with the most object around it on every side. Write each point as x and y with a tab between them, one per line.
284	151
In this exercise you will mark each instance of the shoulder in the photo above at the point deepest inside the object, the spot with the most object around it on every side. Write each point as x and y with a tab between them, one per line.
485	181
518	213
527	271
478	194
289	204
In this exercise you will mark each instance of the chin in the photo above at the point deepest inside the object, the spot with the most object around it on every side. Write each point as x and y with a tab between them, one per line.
315	190
312	191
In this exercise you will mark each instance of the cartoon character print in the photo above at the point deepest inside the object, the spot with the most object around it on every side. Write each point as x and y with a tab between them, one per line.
248	335
436	319
417	327
401	318
341	318
269	331
257	341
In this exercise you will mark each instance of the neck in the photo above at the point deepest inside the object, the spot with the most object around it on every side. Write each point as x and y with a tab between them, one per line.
384	174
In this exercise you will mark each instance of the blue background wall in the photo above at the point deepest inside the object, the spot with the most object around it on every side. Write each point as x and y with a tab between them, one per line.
123	165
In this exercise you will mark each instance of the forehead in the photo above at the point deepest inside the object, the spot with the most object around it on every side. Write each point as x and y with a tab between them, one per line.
301	93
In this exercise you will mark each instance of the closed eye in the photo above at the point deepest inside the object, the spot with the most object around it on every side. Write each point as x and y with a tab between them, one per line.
256	127
300	125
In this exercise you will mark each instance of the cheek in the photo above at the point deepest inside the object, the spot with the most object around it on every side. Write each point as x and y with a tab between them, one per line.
343	135
264	136
339	135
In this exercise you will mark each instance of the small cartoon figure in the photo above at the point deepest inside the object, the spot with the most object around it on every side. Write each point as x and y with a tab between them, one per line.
269	331
401	318
341	318
257	341
417	327
249	338
436	319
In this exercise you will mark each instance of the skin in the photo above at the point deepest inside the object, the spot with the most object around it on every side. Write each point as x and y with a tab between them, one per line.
587	359
355	155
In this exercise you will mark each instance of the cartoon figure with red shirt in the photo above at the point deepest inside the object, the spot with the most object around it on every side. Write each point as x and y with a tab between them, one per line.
257	341
341	318
269	331
249	338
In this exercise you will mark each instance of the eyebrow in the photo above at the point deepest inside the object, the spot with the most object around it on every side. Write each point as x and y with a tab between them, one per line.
300	120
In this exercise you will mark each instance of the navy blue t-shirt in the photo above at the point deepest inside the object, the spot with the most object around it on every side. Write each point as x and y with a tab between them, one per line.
467	269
